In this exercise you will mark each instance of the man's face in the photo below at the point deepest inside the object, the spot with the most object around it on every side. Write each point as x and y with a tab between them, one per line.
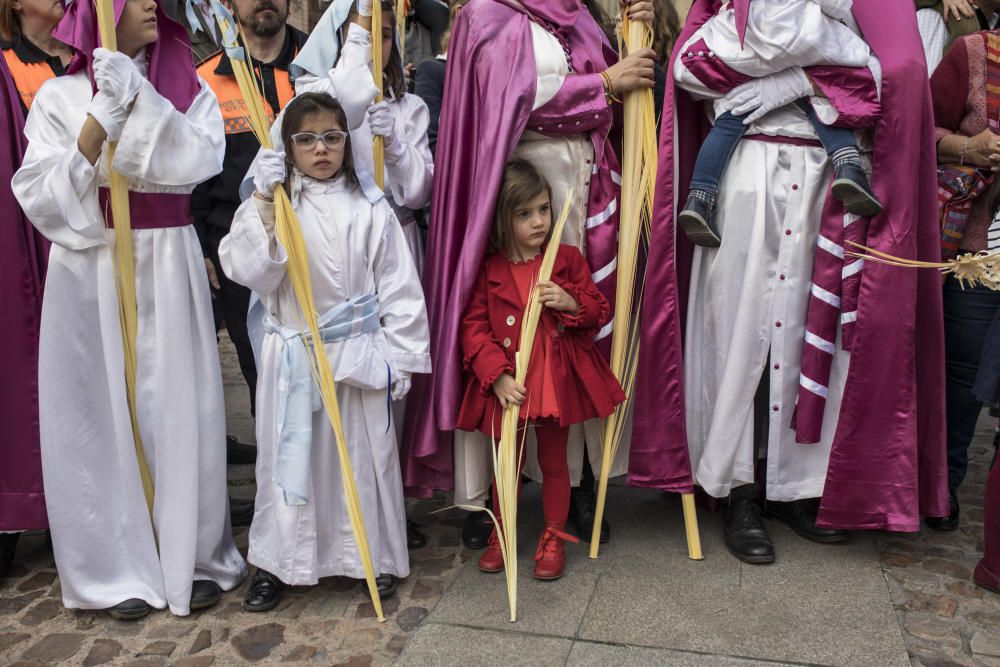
265	18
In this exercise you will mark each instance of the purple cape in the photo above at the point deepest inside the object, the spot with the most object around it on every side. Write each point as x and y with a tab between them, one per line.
22	272
887	463
488	100
171	70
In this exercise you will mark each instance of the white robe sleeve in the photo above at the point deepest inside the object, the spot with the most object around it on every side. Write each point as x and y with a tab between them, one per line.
162	145
56	185
350	81
250	254
934	36
400	295
688	81
411	171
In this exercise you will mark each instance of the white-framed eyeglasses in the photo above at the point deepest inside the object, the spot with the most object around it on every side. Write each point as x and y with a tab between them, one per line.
333	139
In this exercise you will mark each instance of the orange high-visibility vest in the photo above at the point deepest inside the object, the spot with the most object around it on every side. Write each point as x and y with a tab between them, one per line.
234	110
28	77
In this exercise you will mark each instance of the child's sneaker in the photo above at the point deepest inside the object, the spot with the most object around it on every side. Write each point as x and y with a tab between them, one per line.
696	220
851	187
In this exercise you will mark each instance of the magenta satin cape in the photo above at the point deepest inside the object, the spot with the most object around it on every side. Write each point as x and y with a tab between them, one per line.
24	254
478	134
887	464
171	69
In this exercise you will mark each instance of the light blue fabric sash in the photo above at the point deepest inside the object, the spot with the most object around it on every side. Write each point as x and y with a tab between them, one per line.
297	396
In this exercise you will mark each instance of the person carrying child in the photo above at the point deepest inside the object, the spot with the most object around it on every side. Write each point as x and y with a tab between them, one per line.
568	380
374	327
770	42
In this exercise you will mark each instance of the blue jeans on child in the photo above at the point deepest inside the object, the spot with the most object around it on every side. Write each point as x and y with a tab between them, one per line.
721	141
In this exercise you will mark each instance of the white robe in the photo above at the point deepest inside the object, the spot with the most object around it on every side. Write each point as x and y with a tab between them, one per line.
105	549
565	162
409	177
747	309
355	248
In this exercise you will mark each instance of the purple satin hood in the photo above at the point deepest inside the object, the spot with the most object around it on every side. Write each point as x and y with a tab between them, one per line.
887	463
561	13
171	68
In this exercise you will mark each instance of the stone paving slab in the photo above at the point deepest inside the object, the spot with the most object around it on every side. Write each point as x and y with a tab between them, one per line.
589	654
447	645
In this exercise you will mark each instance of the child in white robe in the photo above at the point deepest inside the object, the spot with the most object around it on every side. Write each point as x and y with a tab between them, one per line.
782	37
108	552
374	324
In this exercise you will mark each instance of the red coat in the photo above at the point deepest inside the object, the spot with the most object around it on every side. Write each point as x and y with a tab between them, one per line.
490	335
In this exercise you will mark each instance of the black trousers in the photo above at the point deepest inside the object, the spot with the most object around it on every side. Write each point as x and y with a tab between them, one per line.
234	301
967	317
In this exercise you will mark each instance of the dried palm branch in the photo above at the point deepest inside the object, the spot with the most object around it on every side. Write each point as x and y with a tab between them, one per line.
124	267
290	235
378	142
980	268
508	453
637	189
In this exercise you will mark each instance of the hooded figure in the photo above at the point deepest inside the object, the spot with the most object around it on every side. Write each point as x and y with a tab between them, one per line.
542	101
108	551
879	460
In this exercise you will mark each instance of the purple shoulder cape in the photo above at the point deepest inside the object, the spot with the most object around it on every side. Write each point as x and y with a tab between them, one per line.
22	270
887	464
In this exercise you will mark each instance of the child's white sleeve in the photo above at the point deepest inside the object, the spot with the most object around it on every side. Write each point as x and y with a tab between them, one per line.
250	254
350	81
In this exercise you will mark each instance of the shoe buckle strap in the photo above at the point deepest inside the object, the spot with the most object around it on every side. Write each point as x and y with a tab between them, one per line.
549	537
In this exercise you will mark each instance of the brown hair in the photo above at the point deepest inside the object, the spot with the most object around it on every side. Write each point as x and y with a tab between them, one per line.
522	182
309	103
456	5
393	75
665	31
10	27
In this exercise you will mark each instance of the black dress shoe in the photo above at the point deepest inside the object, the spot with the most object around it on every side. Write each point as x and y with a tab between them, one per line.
130	610
850	186
697	221
240	512
746	535
265	592
387	585
583	511
414	538
238	452
8	543
204	594
476	530
800	515
949	522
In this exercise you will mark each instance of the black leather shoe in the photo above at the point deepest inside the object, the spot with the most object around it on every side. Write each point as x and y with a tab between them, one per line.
476	530
414	538
240	512
238	452
8	543
130	610
697	221
800	515
745	532
204	594
583	511
850	186
949	522
387	585
265	592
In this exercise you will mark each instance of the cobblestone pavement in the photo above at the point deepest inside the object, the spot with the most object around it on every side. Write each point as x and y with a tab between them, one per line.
945	619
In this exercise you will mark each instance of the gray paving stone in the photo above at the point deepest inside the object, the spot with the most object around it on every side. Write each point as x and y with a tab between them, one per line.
447	645
588	654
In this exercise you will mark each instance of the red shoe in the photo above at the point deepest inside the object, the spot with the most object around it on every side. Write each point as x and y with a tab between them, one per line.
492	559
550	557
986	579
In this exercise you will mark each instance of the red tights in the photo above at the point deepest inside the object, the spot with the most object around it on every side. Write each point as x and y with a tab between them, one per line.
552	440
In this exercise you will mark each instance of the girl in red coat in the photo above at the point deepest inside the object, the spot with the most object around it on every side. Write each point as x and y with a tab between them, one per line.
568	381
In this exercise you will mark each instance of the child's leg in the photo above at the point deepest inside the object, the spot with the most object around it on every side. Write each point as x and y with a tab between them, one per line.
715	152
697	218
851	185
552	440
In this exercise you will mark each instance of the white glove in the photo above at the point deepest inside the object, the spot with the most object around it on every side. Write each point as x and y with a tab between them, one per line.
269	171
365	7
109	113
764	95
116	73
382	123
401	387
